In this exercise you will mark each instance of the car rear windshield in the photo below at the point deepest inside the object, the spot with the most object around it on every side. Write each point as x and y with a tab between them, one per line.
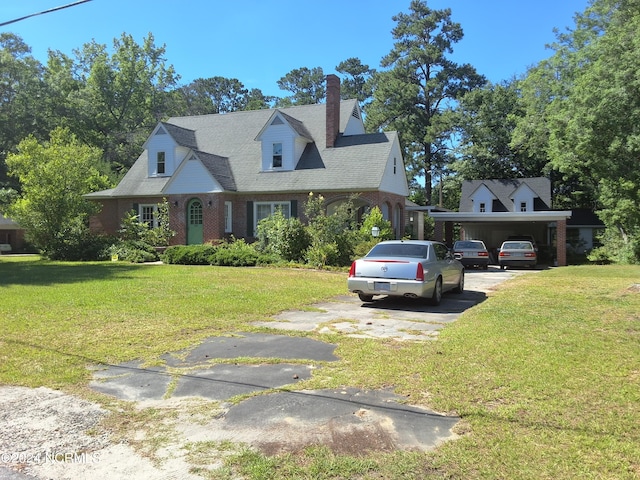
468	244
517	246
399	250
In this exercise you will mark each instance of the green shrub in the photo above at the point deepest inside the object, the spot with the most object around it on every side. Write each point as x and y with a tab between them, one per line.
362	248
333	237
286	238
134	251
234	254
189	254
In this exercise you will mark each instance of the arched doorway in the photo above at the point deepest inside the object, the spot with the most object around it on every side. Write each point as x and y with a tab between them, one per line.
195	233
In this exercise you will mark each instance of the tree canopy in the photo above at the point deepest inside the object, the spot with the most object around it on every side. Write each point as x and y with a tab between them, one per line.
574	117
54	176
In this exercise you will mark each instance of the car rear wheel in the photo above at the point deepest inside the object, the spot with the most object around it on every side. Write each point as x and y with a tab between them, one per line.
365	298
436	298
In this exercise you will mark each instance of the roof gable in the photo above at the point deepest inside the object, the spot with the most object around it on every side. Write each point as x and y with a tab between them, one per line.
280	118
504	191
192	177
228	147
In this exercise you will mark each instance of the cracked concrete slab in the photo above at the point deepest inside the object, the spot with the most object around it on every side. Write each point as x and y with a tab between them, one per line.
281	417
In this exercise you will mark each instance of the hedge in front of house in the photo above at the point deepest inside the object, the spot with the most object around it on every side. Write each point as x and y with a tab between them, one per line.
188	254
235	254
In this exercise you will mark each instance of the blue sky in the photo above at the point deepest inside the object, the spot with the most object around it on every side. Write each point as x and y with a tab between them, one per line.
259	41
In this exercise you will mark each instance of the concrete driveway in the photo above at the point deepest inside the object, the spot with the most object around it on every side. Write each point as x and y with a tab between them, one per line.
400	319
285	418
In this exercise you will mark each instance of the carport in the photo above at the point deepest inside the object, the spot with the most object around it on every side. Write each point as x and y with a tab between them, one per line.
548	227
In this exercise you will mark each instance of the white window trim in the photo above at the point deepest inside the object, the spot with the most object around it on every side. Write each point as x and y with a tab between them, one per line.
273	205
228	218
164	163
141	209
273	156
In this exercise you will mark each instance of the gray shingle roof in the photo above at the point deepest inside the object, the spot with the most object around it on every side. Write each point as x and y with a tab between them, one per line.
503	189
227	146
184	137
219	168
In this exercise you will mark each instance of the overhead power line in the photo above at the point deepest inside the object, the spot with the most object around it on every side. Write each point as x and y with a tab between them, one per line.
55	9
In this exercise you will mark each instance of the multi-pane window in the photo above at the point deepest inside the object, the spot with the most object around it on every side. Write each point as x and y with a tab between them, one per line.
266	209
523	206
148	215
483	207
195	213
277	156
160	163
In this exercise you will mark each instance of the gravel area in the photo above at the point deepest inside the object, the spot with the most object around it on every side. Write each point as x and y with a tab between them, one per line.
46	434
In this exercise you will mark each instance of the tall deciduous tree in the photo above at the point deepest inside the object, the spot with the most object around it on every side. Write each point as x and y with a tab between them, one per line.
416	96
54	176
595	131
488	118
21	91
123	94
214	95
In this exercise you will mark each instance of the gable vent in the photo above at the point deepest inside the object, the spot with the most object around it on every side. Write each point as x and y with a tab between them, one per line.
161	131
277	121
355	113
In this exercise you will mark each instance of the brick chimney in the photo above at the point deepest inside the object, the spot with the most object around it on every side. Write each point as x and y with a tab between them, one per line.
333	109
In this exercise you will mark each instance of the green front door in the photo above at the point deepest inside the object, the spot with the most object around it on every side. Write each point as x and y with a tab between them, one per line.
194	223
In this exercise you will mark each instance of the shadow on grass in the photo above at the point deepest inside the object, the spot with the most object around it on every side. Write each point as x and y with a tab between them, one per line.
43	272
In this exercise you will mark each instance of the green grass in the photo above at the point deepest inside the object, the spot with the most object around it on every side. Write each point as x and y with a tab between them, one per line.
545	373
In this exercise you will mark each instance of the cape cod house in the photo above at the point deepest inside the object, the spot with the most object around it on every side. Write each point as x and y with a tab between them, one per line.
492	210
223	173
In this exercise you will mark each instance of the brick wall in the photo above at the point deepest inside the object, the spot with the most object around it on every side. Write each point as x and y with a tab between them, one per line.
561	242
110	217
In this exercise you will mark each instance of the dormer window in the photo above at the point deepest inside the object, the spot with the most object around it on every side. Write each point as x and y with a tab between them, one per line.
160	163
276	161
523	206
483	207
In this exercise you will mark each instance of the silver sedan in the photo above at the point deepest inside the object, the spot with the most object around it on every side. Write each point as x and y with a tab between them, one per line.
406	268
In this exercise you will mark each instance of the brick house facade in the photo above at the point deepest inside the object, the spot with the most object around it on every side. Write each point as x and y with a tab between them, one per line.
221	173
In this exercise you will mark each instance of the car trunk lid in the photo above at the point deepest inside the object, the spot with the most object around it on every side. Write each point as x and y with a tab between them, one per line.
387	268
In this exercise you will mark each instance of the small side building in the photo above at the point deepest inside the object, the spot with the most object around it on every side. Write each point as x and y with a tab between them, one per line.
492	210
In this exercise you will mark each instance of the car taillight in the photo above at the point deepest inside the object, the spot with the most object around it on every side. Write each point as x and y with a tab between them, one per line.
530	254
420	273
504	254
352	270
483	254
459	253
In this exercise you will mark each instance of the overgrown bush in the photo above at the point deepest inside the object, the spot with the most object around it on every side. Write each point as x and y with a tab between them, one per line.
624	251
374	218
234	254
333	237
287	238
138	241
134	251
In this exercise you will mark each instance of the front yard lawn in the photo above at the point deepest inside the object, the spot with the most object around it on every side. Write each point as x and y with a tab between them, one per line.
545	373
